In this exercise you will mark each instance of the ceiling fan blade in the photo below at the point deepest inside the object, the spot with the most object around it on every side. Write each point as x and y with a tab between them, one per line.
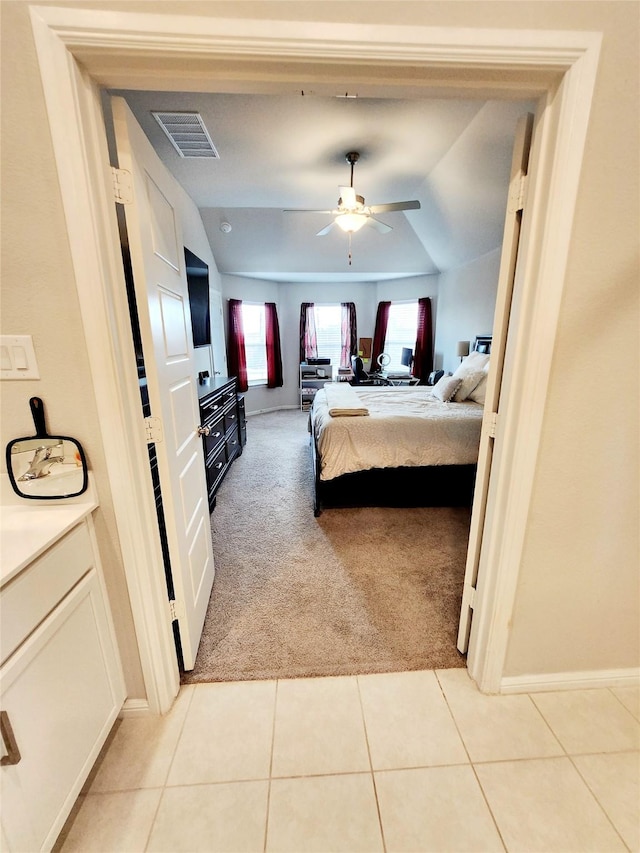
306	210
382	227
326	229
395	205
348	196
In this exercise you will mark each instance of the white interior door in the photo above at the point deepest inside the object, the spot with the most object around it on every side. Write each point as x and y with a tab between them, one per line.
157	259
511	239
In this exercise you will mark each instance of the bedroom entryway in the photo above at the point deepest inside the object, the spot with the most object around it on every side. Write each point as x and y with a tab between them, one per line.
357	590
557	67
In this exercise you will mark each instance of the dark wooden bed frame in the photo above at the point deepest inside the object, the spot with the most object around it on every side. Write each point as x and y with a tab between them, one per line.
434	485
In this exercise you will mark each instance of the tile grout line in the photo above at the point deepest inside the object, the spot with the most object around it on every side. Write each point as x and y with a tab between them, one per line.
595	796
547	723
618	699
373	775
471	763
273	742
564	755
173	755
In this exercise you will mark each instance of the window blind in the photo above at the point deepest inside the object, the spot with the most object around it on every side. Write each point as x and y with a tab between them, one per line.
328	325
401	332
253	320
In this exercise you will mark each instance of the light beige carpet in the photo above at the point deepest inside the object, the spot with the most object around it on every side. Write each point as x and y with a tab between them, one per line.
360	590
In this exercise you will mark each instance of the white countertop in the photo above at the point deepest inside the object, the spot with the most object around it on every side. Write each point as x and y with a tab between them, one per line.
29	527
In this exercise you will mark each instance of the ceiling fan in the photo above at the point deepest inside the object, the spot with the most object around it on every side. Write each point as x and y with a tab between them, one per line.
352	213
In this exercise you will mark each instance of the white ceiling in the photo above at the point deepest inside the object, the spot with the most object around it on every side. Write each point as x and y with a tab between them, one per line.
288	151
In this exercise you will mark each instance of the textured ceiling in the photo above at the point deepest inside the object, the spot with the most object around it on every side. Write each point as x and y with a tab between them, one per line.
281	151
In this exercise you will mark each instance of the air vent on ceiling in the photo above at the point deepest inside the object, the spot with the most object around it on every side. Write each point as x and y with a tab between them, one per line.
187	133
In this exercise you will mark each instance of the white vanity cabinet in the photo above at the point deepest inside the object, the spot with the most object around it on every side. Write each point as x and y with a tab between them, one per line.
61	685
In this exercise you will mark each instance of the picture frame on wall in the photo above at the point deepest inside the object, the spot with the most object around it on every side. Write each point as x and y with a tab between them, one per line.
364	347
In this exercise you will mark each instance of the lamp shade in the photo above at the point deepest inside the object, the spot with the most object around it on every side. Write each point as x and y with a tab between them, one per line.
463	349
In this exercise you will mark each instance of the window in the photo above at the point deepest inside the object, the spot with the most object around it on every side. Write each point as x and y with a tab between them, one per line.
402	330
253	321
328	335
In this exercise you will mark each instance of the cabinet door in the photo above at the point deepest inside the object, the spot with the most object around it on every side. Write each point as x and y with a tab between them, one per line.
60	693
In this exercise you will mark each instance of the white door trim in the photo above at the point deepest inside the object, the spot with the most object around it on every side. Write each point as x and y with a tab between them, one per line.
559	66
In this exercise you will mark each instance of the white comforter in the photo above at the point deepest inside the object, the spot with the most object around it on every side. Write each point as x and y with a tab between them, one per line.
405	427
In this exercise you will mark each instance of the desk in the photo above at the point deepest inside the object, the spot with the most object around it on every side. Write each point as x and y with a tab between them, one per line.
383	379
401	380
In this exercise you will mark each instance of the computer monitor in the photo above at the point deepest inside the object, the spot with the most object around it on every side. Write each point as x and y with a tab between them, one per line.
406	359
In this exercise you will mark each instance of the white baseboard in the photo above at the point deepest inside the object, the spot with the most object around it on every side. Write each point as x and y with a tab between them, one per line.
273	409
570	680
134	708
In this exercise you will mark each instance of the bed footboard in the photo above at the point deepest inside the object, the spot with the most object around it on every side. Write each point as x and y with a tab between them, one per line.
439	485
315	456
436	485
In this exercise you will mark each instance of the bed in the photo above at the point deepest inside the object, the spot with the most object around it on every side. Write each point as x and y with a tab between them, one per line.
399	446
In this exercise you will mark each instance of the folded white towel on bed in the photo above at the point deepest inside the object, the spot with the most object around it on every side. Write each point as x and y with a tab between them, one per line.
343	400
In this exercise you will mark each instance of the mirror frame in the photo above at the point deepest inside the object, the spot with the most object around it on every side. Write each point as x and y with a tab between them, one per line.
15	485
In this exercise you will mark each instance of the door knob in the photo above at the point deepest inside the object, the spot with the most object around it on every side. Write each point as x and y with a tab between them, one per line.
204	430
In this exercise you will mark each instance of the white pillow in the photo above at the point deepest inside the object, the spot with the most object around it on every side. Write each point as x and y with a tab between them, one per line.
475	360
468	384
471	372
479	392
446	387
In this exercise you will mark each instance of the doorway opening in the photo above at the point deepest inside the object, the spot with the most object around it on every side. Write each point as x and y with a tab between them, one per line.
413	634
559	67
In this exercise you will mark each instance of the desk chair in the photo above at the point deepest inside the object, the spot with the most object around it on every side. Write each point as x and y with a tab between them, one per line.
360	375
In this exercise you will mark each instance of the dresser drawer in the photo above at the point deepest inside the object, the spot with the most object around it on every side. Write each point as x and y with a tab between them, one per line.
229	396
215	438
211	406
30	597
230	418
233	445
219	411
216	467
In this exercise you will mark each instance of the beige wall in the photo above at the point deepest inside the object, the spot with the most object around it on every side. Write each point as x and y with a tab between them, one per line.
578	598
39	298
579	591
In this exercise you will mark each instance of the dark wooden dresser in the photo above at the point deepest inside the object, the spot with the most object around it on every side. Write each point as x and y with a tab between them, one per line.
222	415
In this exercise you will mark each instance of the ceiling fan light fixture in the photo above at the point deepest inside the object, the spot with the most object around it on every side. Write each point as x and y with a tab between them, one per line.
351	222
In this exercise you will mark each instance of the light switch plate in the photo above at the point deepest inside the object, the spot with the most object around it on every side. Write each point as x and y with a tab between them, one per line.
18	357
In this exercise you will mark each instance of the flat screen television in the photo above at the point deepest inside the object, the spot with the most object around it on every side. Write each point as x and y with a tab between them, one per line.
406	359
198	284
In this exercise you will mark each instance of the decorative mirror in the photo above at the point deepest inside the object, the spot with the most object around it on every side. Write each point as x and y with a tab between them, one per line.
43	466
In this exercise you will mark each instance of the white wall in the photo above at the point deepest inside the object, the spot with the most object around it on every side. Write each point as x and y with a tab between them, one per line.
288	298
410	288
260	398
466	305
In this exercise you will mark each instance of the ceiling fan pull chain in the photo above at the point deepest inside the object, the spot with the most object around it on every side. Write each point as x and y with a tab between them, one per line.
349	248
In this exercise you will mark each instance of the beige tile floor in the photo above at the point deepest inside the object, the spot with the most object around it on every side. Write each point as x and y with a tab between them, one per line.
415	761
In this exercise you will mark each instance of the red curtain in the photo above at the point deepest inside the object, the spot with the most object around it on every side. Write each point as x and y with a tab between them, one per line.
236	355
274	357
380	333
423	353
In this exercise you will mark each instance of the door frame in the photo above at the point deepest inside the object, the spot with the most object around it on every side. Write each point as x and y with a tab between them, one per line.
80	50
